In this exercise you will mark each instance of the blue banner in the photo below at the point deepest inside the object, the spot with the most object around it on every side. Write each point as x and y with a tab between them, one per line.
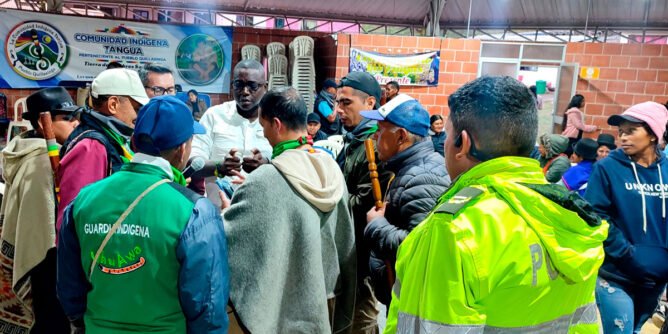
44	50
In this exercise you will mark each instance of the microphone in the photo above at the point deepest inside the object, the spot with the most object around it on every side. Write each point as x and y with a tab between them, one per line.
195	165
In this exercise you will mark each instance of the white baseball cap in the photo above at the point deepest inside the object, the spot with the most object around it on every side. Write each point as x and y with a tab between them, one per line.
119	82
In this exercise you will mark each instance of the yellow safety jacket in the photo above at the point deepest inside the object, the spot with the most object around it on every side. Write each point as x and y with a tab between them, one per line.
500	253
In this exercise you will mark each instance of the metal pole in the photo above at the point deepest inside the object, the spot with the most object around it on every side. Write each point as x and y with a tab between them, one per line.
468	25
587	19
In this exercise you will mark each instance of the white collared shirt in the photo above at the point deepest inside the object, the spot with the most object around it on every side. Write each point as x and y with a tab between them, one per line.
225	130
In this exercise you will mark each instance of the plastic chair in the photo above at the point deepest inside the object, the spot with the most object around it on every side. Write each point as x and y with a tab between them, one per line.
275	48
183	96
206	98
278	65
251	52
303	46
336	138
276	81
17	121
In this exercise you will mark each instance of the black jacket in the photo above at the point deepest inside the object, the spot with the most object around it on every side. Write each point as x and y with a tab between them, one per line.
420	179
438	139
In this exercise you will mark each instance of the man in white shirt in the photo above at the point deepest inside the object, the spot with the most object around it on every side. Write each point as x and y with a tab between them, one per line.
233	130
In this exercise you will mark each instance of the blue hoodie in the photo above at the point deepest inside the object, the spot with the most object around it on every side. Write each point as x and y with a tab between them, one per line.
633	200
576	177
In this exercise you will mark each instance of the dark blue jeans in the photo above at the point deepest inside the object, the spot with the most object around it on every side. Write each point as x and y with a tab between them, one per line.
625	308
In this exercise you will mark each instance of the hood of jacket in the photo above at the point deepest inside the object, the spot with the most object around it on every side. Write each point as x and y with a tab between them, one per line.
569	230
574	110
112	123
365	126
17	151
554	144
315	176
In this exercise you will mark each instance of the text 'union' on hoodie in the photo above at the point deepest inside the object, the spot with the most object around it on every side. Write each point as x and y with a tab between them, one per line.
633	200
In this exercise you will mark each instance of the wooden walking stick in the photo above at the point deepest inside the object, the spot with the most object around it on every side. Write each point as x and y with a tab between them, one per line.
378	197
373	173
51	146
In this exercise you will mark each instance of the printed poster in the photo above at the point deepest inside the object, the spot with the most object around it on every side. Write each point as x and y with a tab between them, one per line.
45	50
418	69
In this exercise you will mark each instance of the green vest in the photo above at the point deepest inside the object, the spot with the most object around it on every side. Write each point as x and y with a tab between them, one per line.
135	282
495	256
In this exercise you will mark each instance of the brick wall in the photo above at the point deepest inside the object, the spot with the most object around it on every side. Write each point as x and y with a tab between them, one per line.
630	74
459	62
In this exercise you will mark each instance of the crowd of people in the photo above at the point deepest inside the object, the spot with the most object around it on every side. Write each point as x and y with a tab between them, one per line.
151	214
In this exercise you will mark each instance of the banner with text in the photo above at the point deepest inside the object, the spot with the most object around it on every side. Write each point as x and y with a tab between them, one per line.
44	50
418	69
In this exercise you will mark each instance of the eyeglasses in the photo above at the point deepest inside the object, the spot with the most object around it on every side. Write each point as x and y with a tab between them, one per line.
157	90
252	85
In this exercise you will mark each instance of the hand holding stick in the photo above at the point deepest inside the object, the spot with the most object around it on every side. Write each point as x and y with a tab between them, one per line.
373	173
378	197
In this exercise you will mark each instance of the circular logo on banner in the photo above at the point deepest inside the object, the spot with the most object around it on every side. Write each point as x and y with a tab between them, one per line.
36	50
199	59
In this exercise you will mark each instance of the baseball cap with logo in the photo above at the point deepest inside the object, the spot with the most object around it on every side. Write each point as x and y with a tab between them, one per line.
119	82
404	112
55	100
163	124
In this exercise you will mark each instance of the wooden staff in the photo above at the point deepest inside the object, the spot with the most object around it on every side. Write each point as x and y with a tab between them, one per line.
373	172
51	145
378	197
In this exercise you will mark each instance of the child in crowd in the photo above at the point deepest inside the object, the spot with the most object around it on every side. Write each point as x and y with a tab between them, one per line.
584	156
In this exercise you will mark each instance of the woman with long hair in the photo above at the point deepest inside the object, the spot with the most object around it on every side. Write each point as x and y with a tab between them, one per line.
629	189
573	123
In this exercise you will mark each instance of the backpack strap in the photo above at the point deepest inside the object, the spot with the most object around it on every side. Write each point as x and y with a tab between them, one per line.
119	221
92	134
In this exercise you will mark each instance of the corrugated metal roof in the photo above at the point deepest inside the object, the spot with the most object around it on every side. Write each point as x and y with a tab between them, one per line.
484	13
557	13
